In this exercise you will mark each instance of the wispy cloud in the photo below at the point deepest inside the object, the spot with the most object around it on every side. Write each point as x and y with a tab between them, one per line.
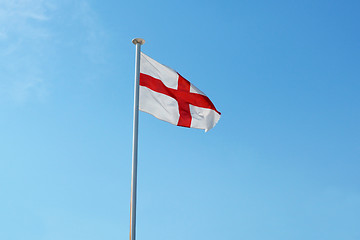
20	16
31	31
22	34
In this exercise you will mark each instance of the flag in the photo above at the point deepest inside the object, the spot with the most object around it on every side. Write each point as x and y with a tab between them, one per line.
168	96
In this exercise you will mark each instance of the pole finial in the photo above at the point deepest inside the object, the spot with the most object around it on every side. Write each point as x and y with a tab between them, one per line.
138	40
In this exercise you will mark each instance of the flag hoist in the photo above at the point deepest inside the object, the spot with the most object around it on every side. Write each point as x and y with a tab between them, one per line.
165	94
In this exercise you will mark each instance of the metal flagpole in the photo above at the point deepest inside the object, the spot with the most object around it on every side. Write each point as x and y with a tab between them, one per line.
138	42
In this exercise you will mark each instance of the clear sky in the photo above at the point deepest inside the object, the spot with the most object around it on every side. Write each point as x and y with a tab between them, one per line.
282	163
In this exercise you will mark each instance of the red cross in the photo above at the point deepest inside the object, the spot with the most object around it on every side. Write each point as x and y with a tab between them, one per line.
182	95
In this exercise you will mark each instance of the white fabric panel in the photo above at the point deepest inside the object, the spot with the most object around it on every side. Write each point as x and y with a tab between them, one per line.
157	70
194	89
203	118
159	105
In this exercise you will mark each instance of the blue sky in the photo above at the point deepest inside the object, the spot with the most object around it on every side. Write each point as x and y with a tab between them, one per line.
282	163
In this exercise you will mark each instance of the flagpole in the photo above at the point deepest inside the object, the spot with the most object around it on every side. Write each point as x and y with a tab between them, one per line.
138	42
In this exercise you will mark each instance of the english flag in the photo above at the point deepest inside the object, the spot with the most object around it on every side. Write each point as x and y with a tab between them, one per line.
168	96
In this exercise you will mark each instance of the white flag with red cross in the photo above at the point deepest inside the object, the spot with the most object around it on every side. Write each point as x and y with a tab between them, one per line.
168	96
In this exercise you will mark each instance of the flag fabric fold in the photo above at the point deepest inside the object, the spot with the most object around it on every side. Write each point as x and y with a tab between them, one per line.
168	96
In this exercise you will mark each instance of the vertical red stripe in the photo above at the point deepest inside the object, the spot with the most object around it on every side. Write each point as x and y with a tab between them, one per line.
184	107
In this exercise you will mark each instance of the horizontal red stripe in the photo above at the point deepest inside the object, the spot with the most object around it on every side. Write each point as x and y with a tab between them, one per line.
180	95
